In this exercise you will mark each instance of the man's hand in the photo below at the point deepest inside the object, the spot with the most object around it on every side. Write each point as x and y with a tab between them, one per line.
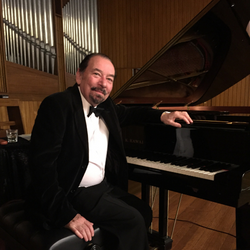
169	118
3	142
81	227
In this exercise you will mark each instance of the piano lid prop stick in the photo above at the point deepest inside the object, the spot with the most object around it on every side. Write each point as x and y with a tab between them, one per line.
176	215
156	105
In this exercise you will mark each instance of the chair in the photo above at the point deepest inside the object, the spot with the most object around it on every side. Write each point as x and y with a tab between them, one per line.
19	233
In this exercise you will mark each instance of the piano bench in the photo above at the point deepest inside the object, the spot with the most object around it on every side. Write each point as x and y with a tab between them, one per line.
20	234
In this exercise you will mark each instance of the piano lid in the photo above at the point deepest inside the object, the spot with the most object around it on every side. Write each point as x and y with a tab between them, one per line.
209	55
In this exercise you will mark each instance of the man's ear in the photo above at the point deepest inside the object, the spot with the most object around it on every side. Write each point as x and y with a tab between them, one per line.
78	77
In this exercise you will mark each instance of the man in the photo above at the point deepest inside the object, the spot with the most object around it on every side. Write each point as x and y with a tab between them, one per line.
78	163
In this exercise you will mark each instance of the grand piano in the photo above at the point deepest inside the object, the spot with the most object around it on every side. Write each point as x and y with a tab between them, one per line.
209	159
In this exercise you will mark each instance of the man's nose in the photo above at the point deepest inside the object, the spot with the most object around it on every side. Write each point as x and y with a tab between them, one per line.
103	81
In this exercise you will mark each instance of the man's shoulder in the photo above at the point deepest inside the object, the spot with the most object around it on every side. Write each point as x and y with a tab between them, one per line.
65	99
69	93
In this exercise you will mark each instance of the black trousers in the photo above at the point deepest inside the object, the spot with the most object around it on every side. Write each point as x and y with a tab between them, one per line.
123	215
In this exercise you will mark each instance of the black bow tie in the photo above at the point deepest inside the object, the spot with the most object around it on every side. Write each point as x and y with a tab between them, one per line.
96	111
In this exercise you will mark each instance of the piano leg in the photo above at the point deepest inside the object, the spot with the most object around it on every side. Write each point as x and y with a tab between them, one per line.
243	227
159	239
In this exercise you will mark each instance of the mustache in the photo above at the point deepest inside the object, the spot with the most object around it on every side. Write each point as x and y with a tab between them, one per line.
104	92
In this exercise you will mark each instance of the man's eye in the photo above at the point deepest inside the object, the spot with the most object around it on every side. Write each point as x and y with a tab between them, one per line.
110	79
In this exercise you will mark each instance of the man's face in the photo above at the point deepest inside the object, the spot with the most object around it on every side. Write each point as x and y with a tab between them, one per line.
96	82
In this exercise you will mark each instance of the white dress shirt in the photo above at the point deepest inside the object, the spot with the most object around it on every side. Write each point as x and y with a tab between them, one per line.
98	144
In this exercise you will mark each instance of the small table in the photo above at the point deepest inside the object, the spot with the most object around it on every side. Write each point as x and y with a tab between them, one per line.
14	174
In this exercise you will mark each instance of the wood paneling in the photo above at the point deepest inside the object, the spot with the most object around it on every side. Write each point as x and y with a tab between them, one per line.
29	84
70	79
237	95
29	112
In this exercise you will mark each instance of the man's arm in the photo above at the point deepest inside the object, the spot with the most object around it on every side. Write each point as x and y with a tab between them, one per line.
137	115
46	194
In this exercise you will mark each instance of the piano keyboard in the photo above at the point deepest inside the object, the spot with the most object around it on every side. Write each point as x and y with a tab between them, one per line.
170	167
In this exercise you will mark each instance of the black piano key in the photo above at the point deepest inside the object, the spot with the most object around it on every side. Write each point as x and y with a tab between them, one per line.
195	163
178	160
199	164
185	162
212	167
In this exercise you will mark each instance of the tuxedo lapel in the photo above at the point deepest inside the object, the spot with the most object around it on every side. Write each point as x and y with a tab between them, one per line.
112	123
81	127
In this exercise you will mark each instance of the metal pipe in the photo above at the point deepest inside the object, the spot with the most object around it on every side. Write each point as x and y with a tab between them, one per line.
40	40
15	29
73	36
36	34
46	39
96	27
92	27
19	25
64	19
81	31
88	27
26	23
6	29
11	58
27	37
32	32
78	36
24	37
80	26
50	24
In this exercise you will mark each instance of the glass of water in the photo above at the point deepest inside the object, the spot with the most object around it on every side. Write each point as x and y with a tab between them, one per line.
12	135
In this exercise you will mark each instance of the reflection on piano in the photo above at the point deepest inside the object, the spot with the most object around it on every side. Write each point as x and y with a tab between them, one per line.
209	159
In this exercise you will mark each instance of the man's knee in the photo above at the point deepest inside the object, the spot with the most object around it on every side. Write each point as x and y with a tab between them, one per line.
142	218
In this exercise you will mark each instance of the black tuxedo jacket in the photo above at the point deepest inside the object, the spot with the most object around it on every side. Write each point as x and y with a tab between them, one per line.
59	152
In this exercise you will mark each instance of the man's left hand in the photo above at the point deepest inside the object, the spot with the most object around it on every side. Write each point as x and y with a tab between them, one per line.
169	118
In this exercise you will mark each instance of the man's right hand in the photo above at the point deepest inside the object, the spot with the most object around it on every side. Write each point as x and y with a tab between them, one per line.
81	227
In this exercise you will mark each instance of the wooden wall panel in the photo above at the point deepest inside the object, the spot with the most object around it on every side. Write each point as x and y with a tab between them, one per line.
29	112
3	116
237	95
25	83
70	79
30	87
